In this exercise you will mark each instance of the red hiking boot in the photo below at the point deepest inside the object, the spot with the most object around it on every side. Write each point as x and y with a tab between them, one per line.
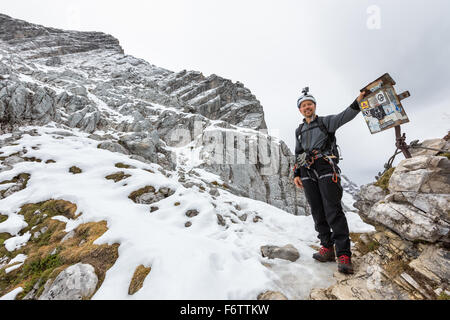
345	264
325	254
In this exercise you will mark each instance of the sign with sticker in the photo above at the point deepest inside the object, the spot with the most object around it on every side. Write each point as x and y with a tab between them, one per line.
373	102
381	98
388	109
381	107
364	104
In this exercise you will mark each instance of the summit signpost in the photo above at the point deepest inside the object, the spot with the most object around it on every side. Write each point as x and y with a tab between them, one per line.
382	109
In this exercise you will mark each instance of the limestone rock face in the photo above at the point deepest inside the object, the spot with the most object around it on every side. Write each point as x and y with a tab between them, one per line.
440	144
418	205
408	257
368	283
410	222
425	174
74	283
433	263
27	37
388	267
371	193
84	80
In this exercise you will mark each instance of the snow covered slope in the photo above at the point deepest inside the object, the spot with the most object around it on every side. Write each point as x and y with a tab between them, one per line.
213	258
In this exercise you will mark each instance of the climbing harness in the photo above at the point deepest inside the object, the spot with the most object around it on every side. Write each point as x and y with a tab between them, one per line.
331	138
307	161
334	174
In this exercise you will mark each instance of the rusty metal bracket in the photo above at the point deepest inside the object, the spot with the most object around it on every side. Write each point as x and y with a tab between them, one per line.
400	142
401	147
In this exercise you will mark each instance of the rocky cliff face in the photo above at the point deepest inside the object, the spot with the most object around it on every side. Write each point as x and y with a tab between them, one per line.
84	80
408	256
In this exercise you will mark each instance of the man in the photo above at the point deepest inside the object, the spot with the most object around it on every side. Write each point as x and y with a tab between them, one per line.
317	172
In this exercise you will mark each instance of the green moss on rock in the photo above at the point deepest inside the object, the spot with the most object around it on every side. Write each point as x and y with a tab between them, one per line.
3	237
444	154
123	166
36	270
21	179
32	159
117	176
36	213
383	181
74	170
443	296
47	256
141	191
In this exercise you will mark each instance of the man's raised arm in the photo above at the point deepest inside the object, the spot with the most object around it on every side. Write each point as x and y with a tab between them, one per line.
333	122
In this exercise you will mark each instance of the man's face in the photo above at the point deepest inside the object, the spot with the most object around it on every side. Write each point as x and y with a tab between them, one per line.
307	108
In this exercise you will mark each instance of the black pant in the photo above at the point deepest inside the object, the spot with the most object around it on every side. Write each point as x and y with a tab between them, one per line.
324	197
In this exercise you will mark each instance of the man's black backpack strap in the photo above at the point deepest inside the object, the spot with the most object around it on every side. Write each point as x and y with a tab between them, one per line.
330	145
299	132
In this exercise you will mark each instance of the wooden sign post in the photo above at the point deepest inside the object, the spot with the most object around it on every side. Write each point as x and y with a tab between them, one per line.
382	109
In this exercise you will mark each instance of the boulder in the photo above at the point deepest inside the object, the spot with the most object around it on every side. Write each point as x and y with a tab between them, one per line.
440	144
433	263
113	147
409	221
370	192
367	283
77	282
426	174
287	252
271	295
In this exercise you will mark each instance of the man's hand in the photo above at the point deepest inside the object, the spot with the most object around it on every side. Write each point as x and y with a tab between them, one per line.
362	94
298	182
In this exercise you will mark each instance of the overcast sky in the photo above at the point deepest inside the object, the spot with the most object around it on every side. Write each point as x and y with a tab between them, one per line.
278	47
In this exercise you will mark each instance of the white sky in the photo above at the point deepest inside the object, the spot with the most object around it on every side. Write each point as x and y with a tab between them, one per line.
278	47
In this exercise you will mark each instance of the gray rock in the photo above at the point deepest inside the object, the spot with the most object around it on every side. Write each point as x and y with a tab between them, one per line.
243	217
433	263
53	62
68	236
368	283
113	147
287	252
426	174
74	283
32	294
10	161
221	220
140	144
63	133
191	213
371	193
410	222
432	144
271	295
